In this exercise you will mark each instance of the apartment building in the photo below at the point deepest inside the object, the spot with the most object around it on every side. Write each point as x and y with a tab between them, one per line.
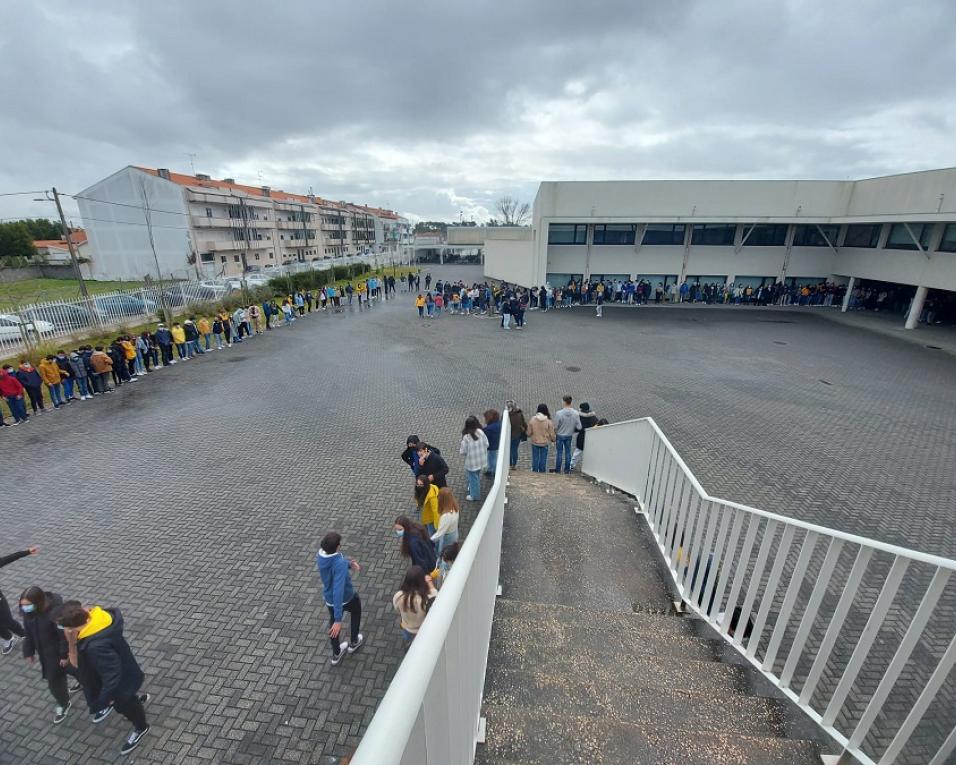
142	221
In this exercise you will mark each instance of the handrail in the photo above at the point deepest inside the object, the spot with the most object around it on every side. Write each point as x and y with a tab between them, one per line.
718	553
446	662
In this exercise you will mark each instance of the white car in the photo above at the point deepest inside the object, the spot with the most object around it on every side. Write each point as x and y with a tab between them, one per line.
257	280
12	326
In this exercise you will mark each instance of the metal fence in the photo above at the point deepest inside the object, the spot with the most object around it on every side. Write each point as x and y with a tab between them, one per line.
430	714
30	325
861	635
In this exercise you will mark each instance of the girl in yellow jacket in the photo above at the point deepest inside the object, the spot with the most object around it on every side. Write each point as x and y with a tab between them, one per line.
52	375
426	497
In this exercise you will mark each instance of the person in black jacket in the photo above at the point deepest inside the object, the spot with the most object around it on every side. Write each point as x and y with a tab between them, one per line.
108	670
10	628
588	420
415	543
410	455
43	639
30	379
432	464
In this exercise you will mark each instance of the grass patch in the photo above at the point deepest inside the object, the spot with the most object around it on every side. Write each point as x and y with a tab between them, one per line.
41	290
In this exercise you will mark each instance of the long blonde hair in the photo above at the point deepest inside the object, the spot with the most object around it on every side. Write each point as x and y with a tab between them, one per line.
446	501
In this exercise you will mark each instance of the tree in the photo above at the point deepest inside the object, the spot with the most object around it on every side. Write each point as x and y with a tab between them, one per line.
431	225
41	228
513	212
15	241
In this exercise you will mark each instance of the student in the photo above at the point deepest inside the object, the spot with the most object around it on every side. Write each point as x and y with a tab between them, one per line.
410	455
340	596
179	338
226	327
474	448
448	555
566	424
129	356
541	434
13	392
43	639
493	433
107	669
164	339
205	330
80	374
217	331
52	375
413	600
426	498
420	305
287	314
30	379
102	365
10	628
416	545
432	464
63	362
519	430
588	420
446	532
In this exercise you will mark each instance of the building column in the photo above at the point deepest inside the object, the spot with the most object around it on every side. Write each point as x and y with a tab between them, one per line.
846	298
916	308
441	256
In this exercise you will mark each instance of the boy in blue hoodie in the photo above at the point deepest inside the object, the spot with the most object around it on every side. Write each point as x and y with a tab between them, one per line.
336	572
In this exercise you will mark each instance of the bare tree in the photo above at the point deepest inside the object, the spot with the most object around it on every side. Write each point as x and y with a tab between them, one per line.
513	212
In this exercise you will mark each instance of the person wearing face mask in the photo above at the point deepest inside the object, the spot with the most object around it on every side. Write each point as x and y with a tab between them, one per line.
30	379
43	639
106	667
340	596
10	629
416	544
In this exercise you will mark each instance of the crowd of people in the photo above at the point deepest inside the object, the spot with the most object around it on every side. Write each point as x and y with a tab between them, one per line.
79	648
429	541
87	371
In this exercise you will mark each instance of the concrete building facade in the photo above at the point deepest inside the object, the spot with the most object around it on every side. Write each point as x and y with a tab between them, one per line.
898	229
203	227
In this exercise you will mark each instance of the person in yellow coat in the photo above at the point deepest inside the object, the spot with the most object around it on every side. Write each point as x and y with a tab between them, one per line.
205	330
52	375
179	339
426	497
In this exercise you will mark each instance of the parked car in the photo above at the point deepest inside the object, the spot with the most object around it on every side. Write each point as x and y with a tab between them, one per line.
257	280
12	326
112	306
65	316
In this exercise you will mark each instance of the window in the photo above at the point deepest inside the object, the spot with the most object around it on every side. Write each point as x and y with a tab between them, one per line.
862	235
235	258
567	233
614	233
766	235
713	233
663	233
257	256
900	239
206	257
208	212
810	236
222	258
948	242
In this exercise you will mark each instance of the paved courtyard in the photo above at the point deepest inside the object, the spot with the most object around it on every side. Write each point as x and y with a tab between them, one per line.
195	499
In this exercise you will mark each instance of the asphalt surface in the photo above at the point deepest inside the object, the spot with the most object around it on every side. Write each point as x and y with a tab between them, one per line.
194	499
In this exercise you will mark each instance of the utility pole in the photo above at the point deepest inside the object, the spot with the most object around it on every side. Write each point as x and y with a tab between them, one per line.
70	246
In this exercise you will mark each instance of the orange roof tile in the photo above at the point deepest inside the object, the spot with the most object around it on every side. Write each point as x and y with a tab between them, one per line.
78	237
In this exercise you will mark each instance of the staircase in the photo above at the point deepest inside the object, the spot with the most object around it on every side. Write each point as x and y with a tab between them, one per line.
588	662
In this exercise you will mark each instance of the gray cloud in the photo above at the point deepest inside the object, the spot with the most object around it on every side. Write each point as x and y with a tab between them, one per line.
440	107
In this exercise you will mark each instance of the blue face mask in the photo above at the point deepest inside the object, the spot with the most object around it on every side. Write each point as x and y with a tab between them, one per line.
399	533
28	608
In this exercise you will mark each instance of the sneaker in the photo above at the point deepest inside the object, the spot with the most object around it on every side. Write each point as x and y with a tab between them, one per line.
132	741
554	470
470	498
353	647
98	717
75	687
343	649
133	379
7	646
172	361
144	698
59	715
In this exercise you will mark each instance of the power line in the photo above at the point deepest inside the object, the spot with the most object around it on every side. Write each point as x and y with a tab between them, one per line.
22	193
124	204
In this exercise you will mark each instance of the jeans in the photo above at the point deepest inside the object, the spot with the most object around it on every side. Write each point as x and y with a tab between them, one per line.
167	351
492	460
506	320
68	387
354	607
539	458
208	338
56	394
194	348
563	447
181	350
104	378
474	483
515	443
138	366
84	390
219	344
444	541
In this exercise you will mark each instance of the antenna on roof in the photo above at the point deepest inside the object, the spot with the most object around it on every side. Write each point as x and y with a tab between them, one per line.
192	161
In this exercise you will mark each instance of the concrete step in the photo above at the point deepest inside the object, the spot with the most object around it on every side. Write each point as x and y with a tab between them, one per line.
627	702
596	638
644	670
628	621
516	735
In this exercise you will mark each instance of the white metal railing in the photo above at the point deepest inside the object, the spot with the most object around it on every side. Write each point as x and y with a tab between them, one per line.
818	609
430	712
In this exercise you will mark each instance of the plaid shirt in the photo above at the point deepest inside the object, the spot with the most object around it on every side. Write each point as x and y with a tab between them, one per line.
474	450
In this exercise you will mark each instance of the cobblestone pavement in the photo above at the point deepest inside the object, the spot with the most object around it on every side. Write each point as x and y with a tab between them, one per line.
194	500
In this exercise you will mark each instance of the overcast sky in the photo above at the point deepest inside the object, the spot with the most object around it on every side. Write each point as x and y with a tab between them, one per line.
432	108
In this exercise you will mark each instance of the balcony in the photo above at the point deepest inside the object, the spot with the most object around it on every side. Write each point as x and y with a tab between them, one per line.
205	222
230	245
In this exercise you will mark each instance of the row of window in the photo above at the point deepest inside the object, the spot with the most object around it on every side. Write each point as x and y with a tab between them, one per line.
759	235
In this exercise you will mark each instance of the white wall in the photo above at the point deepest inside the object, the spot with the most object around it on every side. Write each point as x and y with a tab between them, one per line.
509	256
118	233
